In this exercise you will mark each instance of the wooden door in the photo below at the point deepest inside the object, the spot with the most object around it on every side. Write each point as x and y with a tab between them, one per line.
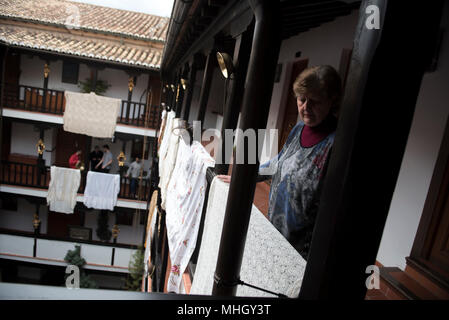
6	139
430	252
291	111
66	144
437	241
57	223
12	75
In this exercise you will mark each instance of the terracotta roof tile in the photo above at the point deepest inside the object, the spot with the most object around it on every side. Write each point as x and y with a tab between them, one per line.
67	43
87	17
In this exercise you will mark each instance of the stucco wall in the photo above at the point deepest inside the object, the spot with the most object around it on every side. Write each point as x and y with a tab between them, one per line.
418	163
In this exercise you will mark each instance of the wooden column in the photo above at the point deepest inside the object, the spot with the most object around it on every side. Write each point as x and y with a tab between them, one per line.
190	87
256	103
205	87
242	52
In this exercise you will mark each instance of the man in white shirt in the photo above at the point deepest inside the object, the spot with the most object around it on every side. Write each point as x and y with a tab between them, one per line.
134	173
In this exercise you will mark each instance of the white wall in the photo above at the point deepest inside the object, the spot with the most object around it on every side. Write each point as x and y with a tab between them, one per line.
128	234
22	219
322	45
418	163
32	69
24	139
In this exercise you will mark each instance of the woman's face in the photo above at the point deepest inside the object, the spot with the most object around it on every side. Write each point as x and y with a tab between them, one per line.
313	108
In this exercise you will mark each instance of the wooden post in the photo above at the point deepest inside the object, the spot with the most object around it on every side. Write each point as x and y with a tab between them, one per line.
256	104
242	52
205	87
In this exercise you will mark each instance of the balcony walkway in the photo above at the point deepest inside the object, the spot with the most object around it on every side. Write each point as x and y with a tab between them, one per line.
14	175
26	102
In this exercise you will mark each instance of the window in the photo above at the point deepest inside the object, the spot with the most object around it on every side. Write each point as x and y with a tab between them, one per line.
124	218
8	203
70	72
137	148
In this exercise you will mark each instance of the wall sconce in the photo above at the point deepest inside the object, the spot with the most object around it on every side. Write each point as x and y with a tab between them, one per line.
40	147
115	231
121	159
172	86
177	93
80	166
130	84
184	83
46	70
36	221
225	64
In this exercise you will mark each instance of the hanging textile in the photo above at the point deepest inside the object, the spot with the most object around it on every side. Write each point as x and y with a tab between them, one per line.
185	199
162	129
269	260
163	147
62	190
101	190
90	114
151	226
169	160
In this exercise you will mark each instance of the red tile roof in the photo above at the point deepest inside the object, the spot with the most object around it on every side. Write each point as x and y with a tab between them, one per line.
84	30
113	51
87	17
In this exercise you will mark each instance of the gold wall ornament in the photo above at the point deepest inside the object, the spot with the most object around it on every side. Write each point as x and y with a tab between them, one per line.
121	159
36	221
184	83
40	147
115	231
46	70
80	165
130	84
177	93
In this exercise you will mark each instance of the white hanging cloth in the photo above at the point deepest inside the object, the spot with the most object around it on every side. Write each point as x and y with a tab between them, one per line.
169	160
185	199
90	114
269	260
62	190
163	147
101	190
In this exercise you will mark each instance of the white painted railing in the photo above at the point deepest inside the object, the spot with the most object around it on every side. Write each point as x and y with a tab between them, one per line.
55	250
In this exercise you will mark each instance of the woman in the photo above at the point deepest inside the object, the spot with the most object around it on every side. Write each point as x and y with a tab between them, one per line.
301	164
74	160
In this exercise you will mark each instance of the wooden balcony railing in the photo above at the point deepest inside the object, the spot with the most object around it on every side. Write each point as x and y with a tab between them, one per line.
53	102
31	175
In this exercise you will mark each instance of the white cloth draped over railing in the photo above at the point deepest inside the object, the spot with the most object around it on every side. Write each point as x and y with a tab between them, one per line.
101	190
62	190
184	204
168	160
269	260
90	114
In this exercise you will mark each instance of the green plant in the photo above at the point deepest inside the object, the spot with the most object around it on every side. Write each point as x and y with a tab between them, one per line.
87	86
73	257
136	270
102	230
